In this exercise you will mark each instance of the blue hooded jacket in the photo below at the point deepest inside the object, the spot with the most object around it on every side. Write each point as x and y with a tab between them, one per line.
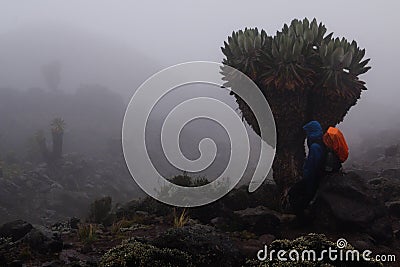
316	151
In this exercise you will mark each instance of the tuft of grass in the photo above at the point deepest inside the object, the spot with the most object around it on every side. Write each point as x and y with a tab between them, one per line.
87	233
182	219
123	223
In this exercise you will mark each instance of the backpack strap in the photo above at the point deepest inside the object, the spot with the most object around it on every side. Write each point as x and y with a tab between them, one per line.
331	162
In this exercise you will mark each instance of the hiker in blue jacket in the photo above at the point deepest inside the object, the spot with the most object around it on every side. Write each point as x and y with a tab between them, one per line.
312	169
301	193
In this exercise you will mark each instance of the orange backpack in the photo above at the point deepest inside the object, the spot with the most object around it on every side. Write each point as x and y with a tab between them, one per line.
334	140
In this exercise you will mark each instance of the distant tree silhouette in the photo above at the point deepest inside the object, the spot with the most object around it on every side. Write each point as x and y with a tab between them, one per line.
52	74
57	131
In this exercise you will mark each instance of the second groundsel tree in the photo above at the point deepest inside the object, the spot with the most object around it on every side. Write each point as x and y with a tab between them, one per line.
305	74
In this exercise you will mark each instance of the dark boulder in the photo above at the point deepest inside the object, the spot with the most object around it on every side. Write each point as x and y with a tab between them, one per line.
396	234
394	208
15	229
381	229
259	220
147	204
237	199
344	201
74	222
240	198
43	242
385	188
207	212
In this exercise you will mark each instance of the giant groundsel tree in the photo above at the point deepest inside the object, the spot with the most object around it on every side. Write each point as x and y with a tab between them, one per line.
57	132
305	74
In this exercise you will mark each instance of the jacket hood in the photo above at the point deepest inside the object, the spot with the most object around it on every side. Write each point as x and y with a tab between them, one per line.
313	130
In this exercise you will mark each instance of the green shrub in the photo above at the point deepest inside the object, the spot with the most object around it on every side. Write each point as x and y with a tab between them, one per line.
186	180
100	210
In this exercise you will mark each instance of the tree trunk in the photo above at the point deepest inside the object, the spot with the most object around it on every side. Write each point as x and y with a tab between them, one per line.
290	109
57	144
290	112
288	165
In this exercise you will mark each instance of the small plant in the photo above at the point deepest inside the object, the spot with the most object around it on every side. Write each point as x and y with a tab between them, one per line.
182	219
87	233
200	181
185	180
182	180
123	223
100	210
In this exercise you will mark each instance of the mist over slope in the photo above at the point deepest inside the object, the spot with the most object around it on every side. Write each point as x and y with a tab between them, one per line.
99	75
85	58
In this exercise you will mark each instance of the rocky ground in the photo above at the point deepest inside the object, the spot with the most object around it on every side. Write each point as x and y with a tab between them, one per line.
361	205
45	194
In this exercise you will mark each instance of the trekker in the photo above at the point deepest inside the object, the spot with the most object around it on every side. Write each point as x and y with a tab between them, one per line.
301	193
313	167
326	153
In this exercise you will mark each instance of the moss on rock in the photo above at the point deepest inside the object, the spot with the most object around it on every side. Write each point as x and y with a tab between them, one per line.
133	253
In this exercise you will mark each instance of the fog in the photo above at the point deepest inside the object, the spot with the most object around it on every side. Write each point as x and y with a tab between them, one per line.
77	183
117	46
